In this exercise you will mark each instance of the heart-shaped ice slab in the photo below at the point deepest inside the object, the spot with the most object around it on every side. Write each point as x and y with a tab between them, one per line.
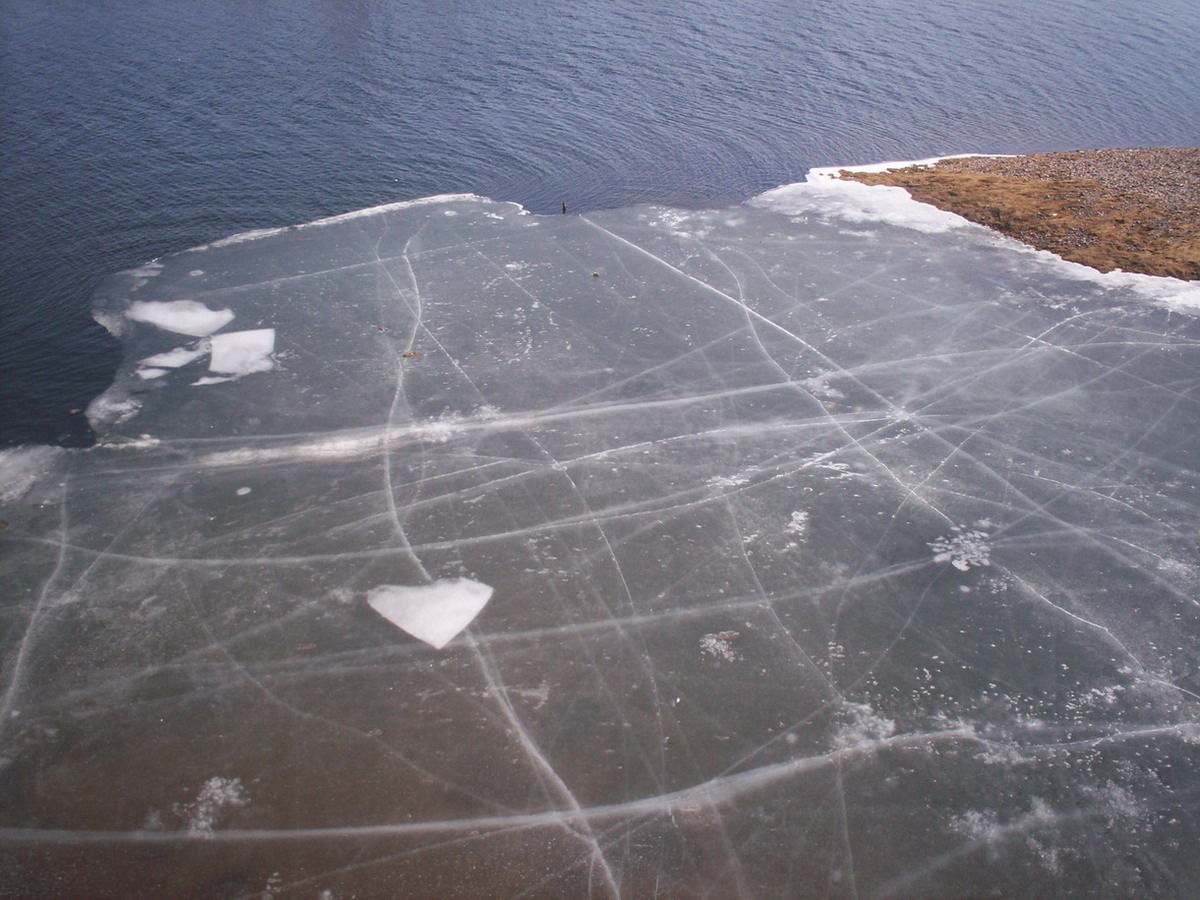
433	613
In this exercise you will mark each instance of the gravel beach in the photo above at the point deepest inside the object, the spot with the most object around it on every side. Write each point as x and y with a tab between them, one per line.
1137	210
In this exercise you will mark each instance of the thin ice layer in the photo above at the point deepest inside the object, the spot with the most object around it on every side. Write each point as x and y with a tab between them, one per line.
827	560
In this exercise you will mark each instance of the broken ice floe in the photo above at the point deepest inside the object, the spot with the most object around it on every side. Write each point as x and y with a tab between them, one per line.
434	613
243	352
181	316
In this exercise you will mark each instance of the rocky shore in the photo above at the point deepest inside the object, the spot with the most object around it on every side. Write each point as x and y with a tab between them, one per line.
1136	210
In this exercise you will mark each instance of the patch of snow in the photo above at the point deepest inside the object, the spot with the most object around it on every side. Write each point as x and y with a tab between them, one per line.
720	646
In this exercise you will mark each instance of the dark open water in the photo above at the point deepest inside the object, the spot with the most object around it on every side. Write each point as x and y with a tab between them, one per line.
130	130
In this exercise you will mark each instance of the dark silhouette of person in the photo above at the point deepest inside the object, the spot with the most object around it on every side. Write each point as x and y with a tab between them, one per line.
564	207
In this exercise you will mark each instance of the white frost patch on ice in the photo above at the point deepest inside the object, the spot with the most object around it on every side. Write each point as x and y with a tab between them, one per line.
963	549
180	316
111	408
674	219
243	352
438	431
20	468
720	646
433	613
819	383
217	796
180	356
799	524
727	481
210	379
861	724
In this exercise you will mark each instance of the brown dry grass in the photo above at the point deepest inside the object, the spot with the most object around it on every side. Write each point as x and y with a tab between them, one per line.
1107	209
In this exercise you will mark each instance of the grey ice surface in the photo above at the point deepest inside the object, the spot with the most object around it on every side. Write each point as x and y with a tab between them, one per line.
825	561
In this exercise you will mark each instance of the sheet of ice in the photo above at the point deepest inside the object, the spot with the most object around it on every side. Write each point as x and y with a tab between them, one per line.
828	560
181	316
434	613
243	352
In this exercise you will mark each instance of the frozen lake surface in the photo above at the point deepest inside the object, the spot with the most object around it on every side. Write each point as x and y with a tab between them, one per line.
817	546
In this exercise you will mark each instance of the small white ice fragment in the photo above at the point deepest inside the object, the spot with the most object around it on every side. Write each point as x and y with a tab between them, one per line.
181	316
433	613
243	352
243	491
180	356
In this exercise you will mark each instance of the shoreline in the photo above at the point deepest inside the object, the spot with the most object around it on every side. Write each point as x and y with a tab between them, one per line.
1133	210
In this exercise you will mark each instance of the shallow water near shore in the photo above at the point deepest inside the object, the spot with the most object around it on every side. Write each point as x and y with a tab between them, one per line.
792	548
136	130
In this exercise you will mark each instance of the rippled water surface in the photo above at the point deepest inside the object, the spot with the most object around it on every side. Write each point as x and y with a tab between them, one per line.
133	130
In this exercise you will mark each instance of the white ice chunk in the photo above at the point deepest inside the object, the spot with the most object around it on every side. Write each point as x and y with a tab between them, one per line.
181	316
433	613
180	356
243	352
145	372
